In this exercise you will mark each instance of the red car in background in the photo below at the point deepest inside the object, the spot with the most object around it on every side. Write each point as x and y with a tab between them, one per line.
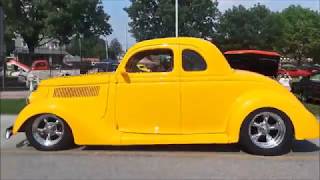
40	65
311	68
294	71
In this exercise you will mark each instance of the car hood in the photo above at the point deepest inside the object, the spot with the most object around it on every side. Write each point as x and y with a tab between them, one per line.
97	78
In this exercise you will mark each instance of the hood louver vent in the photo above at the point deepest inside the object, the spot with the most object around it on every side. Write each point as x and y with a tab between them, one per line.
69	92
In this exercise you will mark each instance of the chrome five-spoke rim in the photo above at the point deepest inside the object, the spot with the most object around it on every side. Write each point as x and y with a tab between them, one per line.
267	130
47	130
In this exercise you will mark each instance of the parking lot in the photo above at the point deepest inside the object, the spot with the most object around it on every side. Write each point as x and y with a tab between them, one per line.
20	161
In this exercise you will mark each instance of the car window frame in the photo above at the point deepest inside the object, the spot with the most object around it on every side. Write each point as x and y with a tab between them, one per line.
153	49
199	54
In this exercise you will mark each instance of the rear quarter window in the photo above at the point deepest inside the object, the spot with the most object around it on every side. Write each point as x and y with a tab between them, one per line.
193	61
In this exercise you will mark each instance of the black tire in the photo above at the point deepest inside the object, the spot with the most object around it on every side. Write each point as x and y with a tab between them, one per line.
283	147
65	142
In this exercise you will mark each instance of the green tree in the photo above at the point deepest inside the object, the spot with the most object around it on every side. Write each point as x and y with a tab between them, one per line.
8	38
253	28
115	48
302	33
91	47
156	18
35	20
27	18
69	17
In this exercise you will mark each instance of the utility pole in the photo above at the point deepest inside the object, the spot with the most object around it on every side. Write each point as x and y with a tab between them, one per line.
107	52
177	19
83	66
2	60
127	36
80	48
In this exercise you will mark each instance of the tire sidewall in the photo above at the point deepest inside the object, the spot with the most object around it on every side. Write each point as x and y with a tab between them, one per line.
65	143
283	148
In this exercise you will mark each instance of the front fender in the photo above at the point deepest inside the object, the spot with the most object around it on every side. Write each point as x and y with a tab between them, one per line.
42	107
88	128
304	123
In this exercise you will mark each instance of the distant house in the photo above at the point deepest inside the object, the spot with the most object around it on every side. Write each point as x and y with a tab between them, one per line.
49	50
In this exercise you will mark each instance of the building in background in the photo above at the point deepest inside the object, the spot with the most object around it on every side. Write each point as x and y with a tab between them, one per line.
49	50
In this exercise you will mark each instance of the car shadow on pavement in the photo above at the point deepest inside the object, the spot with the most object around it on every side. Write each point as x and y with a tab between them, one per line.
304	146
298	146
173	147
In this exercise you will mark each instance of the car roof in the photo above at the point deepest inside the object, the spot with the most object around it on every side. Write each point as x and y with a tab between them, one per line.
219	64
172	41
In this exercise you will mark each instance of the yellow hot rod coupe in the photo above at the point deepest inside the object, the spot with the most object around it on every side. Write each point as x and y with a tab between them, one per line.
185	93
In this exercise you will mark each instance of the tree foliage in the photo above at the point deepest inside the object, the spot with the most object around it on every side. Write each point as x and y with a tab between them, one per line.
253	28
69	17
35	20
156	18
295	32
27	18
115	49
91	47
94	47
301	33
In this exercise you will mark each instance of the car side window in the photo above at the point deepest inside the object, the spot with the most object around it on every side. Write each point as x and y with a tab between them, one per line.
159	60
315	77
192	61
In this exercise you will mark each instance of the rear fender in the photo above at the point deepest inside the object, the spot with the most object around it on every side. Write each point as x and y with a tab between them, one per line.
304	123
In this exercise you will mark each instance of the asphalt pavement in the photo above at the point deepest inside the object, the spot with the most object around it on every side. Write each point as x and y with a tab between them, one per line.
20	161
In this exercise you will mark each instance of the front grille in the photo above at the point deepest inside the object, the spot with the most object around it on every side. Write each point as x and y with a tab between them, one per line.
69	92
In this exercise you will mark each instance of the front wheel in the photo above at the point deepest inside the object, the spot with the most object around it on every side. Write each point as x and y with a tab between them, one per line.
49	132
267	132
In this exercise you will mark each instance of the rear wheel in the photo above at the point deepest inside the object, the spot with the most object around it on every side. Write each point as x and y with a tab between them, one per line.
49	132
267	132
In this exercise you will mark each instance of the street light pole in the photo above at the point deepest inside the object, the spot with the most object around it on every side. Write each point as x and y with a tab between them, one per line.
80	48
2	60
107	52
177	19
50	59
127	36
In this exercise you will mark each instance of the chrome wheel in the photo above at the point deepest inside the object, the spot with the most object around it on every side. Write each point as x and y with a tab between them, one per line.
267	130
48	130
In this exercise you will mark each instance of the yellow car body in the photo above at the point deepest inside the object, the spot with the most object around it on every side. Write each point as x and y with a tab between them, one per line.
177	107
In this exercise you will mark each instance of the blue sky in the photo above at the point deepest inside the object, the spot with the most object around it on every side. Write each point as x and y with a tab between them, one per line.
119	18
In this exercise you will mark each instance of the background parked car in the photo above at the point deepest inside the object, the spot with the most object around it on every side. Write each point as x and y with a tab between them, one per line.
105	67
308	87
109	65
293	71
